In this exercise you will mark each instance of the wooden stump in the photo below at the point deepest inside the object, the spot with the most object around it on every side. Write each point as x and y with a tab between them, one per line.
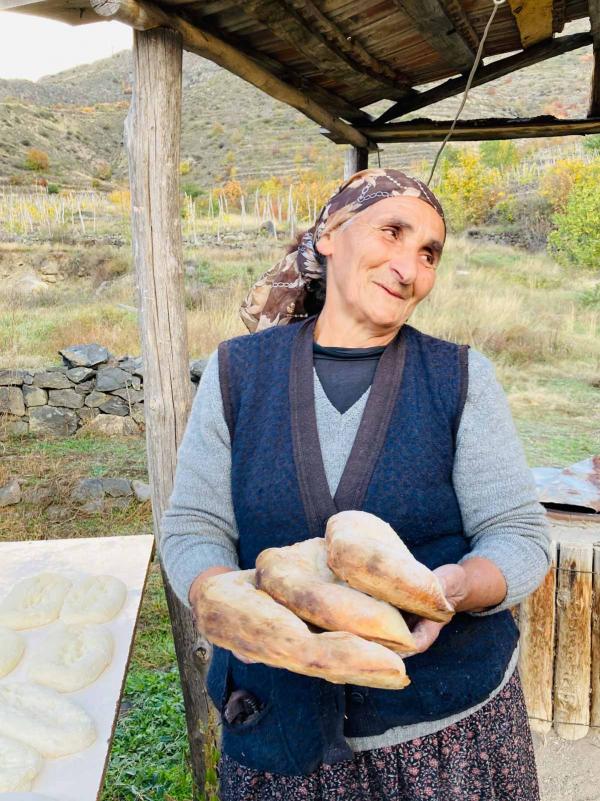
536	655
574	635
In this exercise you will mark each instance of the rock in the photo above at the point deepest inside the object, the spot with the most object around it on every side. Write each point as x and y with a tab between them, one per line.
49	268
65	397
85	414
85	355
87	489
38	494
111	378
34	396
93	507
12	401
12	426
12	377
95	399
79	374
197	367
57	514
130	395
132	364
115	406
85	387
137	413
118	503
111	425
52	420
117	487
141	490
28	379
50	279
31	283
51	379
10	493
269	227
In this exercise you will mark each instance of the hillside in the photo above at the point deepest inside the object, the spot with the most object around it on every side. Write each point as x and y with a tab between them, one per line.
77	116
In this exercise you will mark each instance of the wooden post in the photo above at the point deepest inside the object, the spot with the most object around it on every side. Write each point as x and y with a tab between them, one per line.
595	710
574	630
357	158
536	654
152	134
594	10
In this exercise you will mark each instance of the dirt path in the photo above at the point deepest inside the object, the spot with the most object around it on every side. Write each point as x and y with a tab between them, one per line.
568	771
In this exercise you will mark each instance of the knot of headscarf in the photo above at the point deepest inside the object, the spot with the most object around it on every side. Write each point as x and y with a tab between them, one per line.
280	295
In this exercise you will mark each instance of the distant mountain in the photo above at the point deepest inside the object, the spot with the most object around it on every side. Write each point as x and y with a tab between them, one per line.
77	116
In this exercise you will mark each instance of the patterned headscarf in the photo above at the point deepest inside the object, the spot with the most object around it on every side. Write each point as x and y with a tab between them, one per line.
280	295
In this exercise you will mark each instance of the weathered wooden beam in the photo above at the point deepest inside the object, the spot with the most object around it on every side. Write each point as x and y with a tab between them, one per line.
315	18
534	20
558	15
423	130
458	17
357	158
487	73
209	46
594	107
152	135
435	26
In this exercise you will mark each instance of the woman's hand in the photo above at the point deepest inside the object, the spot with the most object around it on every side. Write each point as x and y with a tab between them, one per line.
455	584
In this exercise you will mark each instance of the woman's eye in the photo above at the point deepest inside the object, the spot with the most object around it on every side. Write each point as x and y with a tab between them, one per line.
393	231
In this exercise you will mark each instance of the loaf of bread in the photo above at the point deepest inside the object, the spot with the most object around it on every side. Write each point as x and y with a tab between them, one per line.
366	552
299	577
232	613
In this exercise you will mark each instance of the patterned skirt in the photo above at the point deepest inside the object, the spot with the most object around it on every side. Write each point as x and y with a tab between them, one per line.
487	756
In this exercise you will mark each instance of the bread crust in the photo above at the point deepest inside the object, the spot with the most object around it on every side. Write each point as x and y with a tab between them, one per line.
299	577
234	614
366	552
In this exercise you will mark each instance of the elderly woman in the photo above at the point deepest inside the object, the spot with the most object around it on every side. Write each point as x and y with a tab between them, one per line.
336	403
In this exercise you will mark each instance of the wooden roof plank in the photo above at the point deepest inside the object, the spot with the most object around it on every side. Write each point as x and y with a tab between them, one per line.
209	46
534	19
435	26
423	130
489	72
594	9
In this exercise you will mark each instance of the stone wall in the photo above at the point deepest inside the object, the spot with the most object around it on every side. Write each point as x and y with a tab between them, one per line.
90	388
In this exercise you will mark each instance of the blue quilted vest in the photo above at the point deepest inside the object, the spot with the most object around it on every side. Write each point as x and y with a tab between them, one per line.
400	468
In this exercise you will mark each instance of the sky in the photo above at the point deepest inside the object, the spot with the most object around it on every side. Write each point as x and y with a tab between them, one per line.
31	47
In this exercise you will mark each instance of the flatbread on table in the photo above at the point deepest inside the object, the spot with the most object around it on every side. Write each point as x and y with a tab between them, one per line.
19	765
298	577
34	601
366	552
71	657
44	719
234	614
12	646
93	599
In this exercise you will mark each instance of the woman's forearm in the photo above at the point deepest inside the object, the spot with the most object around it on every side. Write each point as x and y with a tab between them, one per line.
485	585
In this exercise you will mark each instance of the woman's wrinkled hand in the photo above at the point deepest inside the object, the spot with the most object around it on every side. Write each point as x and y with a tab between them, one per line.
454	581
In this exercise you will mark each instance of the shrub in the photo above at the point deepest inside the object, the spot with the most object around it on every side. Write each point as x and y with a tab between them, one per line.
499	154
592	143
559	180
36	159
468	189
191	190
53	189
576	240
102	171
184	167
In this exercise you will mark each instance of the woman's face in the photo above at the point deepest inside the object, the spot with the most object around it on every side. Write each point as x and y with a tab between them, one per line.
382	262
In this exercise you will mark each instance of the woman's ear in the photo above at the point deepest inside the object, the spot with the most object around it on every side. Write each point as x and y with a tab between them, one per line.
324	245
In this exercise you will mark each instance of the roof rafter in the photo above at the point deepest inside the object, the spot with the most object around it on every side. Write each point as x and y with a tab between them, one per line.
489	72
558	15
434	24
458	17
144	15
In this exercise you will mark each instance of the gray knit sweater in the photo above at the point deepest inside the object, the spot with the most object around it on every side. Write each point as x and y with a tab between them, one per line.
493	484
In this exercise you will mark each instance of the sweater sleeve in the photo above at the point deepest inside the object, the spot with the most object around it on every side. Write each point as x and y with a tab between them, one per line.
495	488
198	529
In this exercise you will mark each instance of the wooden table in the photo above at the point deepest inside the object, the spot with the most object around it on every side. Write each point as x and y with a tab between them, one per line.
79	777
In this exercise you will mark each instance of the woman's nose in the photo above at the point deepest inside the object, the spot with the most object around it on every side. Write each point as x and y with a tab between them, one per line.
405	269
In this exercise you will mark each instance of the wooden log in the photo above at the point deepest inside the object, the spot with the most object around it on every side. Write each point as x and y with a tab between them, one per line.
152	134
573	640
487	73
421	130
357	158
595	707
594	106
536	653
430	19
209	46
534	20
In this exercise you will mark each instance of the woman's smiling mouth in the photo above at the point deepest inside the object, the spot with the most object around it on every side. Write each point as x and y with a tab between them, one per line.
390	292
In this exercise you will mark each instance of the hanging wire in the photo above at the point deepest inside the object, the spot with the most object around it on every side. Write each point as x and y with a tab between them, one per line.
497	4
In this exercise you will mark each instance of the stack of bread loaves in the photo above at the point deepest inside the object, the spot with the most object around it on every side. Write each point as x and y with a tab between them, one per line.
352	584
